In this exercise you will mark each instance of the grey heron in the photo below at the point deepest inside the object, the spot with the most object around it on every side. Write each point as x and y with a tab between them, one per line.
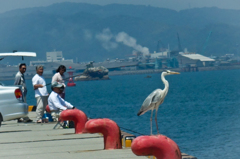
156	98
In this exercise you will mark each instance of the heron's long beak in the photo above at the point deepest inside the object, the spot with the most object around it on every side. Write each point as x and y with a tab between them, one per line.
174	73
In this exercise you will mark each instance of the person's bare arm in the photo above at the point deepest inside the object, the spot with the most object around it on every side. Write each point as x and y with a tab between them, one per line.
36	86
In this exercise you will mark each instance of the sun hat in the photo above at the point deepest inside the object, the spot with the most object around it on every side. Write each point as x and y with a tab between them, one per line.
56	84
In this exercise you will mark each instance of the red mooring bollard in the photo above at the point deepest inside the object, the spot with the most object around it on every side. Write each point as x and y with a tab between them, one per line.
110	131
159	146
77	116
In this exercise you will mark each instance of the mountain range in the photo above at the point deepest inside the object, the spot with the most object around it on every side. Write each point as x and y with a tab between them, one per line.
89	32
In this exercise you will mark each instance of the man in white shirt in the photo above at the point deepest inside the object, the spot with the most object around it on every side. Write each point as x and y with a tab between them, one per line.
55	102
41	93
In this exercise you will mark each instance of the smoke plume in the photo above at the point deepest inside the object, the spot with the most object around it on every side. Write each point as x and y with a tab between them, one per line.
107	39
131	42
110	41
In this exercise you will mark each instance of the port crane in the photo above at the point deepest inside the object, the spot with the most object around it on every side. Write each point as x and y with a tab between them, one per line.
179	44
206	43
158	46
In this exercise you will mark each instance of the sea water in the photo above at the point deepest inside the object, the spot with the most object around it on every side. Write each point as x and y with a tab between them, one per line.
201	111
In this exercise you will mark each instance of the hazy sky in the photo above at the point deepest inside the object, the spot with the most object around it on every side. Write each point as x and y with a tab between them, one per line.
6	5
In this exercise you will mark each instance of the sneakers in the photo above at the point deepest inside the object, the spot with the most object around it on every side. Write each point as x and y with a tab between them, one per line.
28	121
65	125
21	120
39	121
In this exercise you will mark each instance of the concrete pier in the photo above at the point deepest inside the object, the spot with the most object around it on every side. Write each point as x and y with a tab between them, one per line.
38	141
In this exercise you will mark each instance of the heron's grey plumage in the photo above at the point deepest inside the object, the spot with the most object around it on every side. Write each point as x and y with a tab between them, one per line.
156	98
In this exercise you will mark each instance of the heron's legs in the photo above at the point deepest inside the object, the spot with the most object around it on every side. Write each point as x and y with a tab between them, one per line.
156	120
151	121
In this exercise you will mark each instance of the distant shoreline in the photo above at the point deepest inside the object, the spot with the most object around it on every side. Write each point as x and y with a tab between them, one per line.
150	71
146	71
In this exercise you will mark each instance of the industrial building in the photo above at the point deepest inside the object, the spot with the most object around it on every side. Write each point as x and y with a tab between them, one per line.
194	60
54	56
160	54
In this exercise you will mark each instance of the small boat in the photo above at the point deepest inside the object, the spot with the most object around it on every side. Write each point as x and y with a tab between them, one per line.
148	76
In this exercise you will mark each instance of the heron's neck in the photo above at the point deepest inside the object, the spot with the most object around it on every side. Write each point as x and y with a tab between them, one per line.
165	82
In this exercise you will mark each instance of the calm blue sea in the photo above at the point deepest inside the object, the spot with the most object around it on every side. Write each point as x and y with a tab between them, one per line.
201	112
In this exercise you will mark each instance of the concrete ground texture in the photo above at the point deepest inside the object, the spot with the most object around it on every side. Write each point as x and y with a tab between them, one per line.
38	141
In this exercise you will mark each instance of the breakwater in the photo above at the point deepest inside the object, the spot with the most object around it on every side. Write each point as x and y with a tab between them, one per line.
132	72
150	71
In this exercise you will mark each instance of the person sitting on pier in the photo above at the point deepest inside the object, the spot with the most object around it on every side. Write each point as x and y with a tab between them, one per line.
56	103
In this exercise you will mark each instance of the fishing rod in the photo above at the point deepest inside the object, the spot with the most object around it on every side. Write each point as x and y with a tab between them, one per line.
90	118
123	127
131	130
59	122
65	78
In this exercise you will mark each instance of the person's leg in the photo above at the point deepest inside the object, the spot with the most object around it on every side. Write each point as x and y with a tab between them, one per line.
39	110
45	102
54	115
65	123
25	99
25	119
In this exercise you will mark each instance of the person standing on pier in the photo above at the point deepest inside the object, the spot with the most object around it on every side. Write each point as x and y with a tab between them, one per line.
41	93
59	77
20	80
